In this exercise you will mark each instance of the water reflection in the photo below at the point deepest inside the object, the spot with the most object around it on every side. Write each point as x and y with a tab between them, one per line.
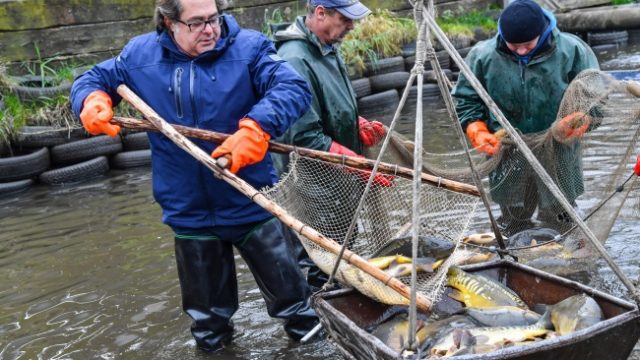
87	271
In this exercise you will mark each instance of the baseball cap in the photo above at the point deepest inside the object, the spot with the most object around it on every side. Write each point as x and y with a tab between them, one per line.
352	9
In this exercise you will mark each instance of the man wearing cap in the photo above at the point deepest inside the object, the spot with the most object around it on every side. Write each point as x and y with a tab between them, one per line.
332	123
525	69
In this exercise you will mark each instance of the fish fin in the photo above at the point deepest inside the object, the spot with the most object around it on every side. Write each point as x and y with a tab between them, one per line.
436	265
456	335
425	264
456	295
467	339
545	320
540	308
390	313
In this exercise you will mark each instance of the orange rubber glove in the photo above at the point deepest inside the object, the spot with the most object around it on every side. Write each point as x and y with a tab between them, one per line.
246	146
378	179
481	138
573	125
370	132
96	113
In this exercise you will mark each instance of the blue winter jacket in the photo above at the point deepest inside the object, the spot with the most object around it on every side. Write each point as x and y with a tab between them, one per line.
241	77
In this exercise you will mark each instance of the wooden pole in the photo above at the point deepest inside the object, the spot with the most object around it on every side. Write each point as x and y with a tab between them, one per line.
257	197
359	163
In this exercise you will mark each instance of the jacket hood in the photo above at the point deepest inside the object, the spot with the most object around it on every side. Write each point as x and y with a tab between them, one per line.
228	33
299	31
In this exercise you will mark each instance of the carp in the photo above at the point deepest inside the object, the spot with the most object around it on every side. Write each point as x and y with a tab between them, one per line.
490	337
575	313
502	316
428	247
479	291
480	238
393	327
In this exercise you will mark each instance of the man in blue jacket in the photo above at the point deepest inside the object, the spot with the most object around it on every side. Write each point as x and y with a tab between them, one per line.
201	70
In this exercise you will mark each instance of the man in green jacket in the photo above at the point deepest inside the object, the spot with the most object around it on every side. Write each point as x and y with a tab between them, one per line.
332	123
525	69
310	46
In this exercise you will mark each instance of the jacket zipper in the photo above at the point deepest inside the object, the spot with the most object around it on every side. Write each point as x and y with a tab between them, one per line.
523	68
192	81
177	82
194	114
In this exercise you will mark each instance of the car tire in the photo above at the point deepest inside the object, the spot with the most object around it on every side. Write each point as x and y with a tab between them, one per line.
82	150
76	173
130	159
24	166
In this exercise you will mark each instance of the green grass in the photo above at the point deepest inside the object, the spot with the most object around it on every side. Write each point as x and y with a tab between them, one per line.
379	35
623	2
465	22
382	34
45	111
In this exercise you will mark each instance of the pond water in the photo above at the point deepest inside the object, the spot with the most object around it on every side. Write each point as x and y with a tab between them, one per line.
88	272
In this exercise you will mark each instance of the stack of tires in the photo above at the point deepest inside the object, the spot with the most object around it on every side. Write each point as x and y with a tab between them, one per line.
606	41
379	89
55	156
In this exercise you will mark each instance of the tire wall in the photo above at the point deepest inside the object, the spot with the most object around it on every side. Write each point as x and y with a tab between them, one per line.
54	156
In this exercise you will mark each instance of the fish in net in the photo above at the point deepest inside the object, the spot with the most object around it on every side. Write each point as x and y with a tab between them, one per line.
588	169
325	196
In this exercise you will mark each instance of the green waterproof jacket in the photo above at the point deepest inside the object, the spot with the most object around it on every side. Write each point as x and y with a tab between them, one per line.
333	115
529	95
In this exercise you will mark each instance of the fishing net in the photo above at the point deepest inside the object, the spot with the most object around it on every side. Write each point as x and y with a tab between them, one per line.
325	196
589	169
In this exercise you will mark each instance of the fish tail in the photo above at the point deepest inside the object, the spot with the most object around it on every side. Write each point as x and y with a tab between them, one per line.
545	321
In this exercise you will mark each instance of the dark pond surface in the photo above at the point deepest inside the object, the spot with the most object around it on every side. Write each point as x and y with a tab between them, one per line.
88	272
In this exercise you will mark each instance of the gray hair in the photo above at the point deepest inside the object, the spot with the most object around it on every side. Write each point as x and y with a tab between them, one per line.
172	9
311	8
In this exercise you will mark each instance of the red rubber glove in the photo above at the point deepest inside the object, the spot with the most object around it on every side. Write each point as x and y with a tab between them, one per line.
246	146
636	169
378	179
96	113
573	125
370	132
481	138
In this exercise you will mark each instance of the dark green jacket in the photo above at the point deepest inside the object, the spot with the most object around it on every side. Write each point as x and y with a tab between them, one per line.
334	110
529	95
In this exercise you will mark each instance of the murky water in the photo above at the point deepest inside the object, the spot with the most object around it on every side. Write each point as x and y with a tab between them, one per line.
87	272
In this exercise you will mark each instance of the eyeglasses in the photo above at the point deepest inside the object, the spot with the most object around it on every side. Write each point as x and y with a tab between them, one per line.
199	25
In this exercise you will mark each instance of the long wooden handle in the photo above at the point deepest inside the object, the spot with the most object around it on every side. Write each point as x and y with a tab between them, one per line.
256	196
355	162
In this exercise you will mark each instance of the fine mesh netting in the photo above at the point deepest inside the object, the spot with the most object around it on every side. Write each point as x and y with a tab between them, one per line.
325	196
586	168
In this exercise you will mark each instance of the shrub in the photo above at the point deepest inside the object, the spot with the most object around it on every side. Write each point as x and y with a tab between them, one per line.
379	35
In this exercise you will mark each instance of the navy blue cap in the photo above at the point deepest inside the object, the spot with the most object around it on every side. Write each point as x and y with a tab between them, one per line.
521	21
352	9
